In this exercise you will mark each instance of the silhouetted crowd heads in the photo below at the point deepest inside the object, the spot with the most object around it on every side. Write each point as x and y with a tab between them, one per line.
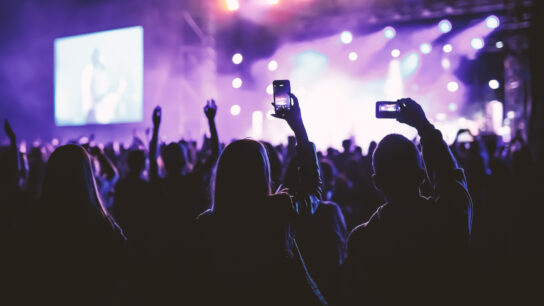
407	223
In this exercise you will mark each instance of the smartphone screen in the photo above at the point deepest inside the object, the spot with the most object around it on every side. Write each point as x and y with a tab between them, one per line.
387	109
282	100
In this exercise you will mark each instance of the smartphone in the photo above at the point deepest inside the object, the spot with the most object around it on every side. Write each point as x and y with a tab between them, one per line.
387	109
282	100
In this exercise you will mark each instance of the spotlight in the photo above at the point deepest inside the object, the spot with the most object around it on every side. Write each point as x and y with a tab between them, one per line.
477	43
452	86
236	82
352	56
235	110
499	44
445	63
511	114
395	53
269	89
425	48
444	26
452	107
232	5
272	65
389	32
346	37
237	58
492	22
273	2
494	84
447	48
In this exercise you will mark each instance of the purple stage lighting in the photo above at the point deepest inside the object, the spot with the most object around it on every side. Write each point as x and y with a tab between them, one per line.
444	26
236	82
395	53
447	48
425	48
235	110
269	89
452	86
389	32
445	63
477	43
494	84
452	107
499	44
352	56
272	65
237	58
492	22
346	37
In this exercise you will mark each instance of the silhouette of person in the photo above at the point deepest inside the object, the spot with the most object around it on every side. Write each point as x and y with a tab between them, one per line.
411	247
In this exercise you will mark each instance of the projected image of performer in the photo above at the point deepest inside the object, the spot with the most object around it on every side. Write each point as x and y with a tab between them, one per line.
100	95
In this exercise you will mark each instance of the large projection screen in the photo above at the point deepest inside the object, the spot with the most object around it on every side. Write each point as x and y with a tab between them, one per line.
99	78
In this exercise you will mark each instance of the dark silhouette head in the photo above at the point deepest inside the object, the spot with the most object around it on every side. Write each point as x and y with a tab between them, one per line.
136	162
242	177
175	159
397	166
69	192
346	144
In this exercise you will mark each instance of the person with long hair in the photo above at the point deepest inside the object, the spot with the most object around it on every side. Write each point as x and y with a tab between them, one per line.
247	255
73	249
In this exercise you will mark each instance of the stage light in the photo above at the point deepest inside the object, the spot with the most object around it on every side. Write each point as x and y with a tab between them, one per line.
452	86
237	58
273	2
395	53
272	65
346	37
389	32
447	48
477	43
492	22
511	114
232	5
235	110
452	107
236	82
444	26
352	56
445	63
269	89
494	84
425	48
499	44
440	116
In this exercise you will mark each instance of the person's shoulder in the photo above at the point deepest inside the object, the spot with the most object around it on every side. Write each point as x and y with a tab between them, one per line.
361	231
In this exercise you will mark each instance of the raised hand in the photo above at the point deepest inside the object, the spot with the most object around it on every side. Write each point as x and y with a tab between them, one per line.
210	109
412	114
9	130
294	119
157	114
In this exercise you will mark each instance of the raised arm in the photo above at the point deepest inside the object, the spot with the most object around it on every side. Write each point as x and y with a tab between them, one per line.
450	186
153	166
14	167
307	194
107	168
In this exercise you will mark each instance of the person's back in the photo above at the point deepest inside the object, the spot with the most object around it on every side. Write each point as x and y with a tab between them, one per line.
72	251
409	249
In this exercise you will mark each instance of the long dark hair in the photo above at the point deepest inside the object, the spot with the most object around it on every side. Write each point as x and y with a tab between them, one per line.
69	193
242	177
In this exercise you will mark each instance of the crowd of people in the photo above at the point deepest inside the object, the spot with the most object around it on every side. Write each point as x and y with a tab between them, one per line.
251	223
